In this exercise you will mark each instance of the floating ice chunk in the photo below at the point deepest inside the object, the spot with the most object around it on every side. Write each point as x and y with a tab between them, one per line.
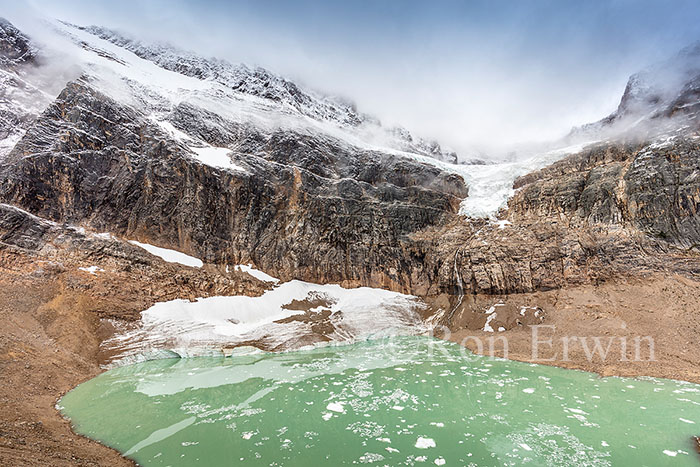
371	457
529	390
327	416
687	421
425	443
439	461
670	453
335	407
171	256
525	447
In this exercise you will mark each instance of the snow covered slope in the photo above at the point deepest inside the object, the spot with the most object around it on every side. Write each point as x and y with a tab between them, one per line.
291	315
160	77
21	99
658	99
213	108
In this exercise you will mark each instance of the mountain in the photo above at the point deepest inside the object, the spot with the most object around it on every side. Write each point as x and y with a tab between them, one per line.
661	97
20	99
263	181
236	165
106	140
288	97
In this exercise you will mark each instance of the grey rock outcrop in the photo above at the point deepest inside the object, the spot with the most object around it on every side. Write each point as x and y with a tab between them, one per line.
304	207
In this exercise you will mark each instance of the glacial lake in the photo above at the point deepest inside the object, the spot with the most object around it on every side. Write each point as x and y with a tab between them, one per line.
399	401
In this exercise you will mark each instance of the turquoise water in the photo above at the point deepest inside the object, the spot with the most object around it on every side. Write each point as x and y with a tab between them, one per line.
403	401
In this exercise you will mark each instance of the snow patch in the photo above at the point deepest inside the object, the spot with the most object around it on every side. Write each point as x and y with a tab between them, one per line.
171	256
216	157
204	326
491	317
248	268
92	270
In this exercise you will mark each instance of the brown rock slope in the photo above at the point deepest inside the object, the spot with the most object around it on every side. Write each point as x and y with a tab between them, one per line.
50	326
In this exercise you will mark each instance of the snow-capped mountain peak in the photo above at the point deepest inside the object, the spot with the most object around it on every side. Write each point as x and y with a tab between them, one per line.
264	97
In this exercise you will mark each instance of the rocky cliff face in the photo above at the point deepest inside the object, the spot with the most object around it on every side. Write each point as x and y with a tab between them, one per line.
259	82
130	279
650	187
310	203
657	100
300	207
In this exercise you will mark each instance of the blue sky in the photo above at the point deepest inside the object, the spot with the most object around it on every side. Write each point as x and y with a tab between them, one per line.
486	74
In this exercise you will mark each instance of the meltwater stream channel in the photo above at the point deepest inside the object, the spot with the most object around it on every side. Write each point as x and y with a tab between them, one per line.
399	401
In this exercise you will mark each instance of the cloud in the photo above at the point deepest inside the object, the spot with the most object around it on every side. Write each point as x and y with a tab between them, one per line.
476	75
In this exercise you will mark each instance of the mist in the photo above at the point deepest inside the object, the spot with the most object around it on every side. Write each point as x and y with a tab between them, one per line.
482	78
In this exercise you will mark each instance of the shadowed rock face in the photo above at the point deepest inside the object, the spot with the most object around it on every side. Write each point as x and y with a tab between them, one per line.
18	98
303	207
654	188
15	48
611	210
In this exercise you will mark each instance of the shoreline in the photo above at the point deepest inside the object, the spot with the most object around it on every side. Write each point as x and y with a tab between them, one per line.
53	363
576	366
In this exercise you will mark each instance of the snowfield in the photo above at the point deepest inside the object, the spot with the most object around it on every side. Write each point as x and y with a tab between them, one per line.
207	325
